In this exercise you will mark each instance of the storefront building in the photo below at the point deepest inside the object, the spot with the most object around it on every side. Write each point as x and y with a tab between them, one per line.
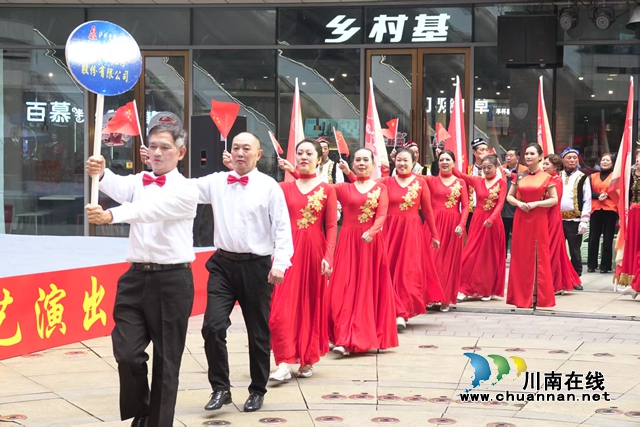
252	54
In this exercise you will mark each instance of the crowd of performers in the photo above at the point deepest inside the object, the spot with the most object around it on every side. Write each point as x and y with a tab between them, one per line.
403	246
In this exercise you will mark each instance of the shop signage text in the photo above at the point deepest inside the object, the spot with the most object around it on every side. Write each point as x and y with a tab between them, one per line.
59	112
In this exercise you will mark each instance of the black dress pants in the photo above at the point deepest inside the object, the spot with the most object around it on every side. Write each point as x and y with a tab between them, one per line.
574	240
602	223
508	228
244	281
151	306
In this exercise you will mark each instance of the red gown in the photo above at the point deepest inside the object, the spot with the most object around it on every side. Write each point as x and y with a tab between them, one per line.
530	246
484	276
405	246
563	273
451	208
361	307
626	273
298	320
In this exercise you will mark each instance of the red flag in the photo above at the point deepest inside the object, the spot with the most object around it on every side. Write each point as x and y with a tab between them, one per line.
343	148
544	131
457	142
296	130
621	175
373	138
275	143
441	133
392	131
224	115
124	121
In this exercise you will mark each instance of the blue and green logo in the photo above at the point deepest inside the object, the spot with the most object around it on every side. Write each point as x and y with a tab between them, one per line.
482	368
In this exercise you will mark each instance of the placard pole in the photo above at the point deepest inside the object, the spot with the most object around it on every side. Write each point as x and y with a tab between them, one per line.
97	143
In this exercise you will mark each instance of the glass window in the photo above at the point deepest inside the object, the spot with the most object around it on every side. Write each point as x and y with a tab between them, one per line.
320	26
329	82
38	26
216	26
593	87
506	102
418	25
150	26
247	77
43	150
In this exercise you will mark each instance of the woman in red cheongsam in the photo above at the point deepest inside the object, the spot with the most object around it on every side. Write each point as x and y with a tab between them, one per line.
484	276
563	273
450	202
298	317
408	258
530	269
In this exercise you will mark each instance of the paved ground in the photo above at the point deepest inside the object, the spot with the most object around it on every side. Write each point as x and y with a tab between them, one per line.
77	384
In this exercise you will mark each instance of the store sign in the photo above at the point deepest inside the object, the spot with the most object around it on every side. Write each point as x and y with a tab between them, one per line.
59	112
391	28
480	106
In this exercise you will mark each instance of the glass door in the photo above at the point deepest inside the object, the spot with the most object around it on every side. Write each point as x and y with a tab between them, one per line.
417	86
161	91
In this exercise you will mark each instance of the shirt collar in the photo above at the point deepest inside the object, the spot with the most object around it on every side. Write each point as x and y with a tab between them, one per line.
253	172
171	173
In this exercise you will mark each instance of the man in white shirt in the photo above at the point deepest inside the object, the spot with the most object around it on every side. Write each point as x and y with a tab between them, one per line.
252	236
575	206
155	296
327	170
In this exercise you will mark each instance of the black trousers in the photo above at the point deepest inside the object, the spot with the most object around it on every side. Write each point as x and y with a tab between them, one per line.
508	228
151	306
602	222
574	240
245	282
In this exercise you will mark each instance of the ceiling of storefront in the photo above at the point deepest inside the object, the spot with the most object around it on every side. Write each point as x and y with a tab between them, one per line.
247	2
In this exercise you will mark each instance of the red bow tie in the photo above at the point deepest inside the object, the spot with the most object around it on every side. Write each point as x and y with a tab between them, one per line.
231	179
148	179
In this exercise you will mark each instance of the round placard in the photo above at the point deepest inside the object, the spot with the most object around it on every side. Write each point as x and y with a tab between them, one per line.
103	58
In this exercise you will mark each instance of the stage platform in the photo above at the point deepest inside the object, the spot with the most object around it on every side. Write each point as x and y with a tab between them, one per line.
58	290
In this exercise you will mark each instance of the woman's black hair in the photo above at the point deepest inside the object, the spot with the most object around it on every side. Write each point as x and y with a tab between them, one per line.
537	147
556	161
492	158
373	159
406	150
315	143
449	152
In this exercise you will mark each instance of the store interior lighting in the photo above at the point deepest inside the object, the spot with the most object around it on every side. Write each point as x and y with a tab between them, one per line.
568	17
603	17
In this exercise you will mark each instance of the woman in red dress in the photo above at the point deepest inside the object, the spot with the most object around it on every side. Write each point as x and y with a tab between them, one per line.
484	276
450	202
360	296
563	273
530	269
298	318
403	233
627	275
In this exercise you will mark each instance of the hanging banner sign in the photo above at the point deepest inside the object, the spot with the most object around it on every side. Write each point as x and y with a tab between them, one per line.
104	58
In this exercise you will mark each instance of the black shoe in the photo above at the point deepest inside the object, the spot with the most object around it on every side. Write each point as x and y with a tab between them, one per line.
578	288
218	398
604	271
254	402
591	270
140	421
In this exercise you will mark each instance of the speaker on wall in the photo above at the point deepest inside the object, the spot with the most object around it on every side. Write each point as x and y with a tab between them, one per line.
528	40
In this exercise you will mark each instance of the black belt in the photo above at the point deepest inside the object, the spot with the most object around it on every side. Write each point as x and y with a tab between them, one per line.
233	256
150	266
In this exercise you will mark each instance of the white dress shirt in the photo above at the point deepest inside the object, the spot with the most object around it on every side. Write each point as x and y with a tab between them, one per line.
567	204
249	219
161	218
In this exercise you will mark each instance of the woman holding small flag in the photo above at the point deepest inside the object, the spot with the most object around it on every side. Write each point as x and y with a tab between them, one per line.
628	274
450	201
530	269
483	277
410	262
360	301
563	273
298	317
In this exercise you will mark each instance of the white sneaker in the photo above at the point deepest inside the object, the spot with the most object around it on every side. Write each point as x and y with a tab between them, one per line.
331	346
305	371
444	308
282	373
629	291
400	323
340	350
485	299
461	296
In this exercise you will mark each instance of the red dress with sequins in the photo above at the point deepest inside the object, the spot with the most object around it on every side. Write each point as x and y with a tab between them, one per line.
360	296
484	258
451	207
408	257
563	273
298	319
530	268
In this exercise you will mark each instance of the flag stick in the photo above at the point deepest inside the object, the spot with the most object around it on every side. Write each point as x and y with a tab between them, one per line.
225	144
135	110
97	142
